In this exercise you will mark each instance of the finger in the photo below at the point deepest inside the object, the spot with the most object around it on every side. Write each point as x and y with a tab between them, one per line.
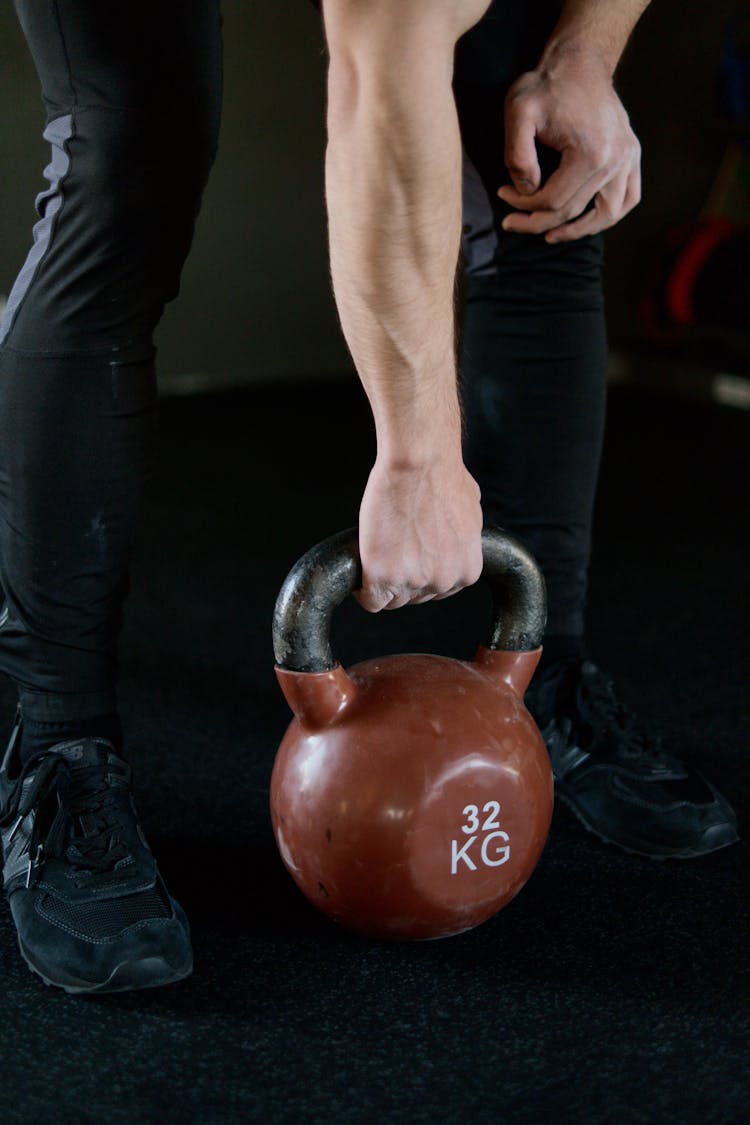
521	157
633	193
609	208
424	598
450	593
374	598
613	203
439	596
433	593
593	222
540	222
395	597
369	604
571	178
606	186
408	597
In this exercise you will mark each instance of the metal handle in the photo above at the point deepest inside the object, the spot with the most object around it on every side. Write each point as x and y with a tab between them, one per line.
332	570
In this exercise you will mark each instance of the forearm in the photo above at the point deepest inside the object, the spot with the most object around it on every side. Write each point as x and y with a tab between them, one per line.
393	189
599	26
393	192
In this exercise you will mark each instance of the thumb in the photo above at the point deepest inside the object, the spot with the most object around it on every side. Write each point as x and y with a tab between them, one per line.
521	157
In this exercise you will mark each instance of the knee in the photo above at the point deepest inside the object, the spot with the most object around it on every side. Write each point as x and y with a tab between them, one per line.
139	175
116	226
528	275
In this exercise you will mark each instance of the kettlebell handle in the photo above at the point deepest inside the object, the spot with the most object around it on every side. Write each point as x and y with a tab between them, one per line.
331	570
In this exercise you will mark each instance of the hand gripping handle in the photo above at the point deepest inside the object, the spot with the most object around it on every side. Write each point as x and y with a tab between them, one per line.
332	570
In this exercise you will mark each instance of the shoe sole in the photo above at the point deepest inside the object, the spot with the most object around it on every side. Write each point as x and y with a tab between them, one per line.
149	972
713	839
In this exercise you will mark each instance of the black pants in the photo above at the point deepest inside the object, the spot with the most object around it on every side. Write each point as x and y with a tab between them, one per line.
534	354
133	93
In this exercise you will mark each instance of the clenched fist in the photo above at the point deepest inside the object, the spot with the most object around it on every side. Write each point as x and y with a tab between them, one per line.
420	533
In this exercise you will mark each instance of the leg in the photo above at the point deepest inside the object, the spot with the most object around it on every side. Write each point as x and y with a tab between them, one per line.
534	363
132	95
534	350
534	379
132	143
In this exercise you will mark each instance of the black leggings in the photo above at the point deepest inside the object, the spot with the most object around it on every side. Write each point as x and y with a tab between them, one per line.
534	353
133	93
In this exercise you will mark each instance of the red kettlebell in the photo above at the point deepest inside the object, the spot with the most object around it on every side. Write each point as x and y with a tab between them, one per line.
411	796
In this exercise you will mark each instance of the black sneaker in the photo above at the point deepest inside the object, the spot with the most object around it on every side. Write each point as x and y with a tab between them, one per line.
615	775
90	908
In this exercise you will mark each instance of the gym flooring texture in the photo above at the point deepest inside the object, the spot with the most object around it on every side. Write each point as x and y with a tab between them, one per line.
613	990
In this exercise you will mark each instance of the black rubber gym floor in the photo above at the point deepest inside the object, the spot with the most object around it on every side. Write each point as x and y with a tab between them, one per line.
613	990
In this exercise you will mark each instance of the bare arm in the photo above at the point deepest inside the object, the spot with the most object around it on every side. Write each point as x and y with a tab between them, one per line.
569	103
393	187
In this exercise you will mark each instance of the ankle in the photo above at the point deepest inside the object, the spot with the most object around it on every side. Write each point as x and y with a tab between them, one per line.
38	736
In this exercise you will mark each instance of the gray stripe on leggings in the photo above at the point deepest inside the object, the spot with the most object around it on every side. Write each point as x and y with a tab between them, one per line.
48	203
480	239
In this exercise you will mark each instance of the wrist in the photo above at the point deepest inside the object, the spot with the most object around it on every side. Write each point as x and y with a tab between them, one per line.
579	53
593	31
418	449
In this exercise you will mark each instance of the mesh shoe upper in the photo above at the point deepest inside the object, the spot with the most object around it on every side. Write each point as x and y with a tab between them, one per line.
105	918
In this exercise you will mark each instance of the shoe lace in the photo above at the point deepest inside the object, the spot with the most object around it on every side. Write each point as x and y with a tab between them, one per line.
87	826
602	710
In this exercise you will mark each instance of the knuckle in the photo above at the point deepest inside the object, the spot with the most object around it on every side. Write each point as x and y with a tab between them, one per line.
369	603
607	155
556	204
449	582
474	573
517	98
517	168
601	155
378	593
548	221
570	211
632	198
417	582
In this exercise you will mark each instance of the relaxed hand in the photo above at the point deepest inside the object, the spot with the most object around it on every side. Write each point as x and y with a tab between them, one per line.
569	105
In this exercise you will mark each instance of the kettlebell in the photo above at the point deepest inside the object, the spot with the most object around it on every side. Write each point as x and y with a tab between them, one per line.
411	795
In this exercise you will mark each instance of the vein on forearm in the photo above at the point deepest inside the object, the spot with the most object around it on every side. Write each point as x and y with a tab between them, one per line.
393	190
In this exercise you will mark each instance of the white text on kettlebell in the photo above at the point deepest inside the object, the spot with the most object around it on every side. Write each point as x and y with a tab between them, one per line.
490	852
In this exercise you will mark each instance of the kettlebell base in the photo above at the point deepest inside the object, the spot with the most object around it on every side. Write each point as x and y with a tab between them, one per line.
422	810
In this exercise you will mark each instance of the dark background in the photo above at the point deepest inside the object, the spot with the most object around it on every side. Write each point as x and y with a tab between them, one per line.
614	990
259	260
